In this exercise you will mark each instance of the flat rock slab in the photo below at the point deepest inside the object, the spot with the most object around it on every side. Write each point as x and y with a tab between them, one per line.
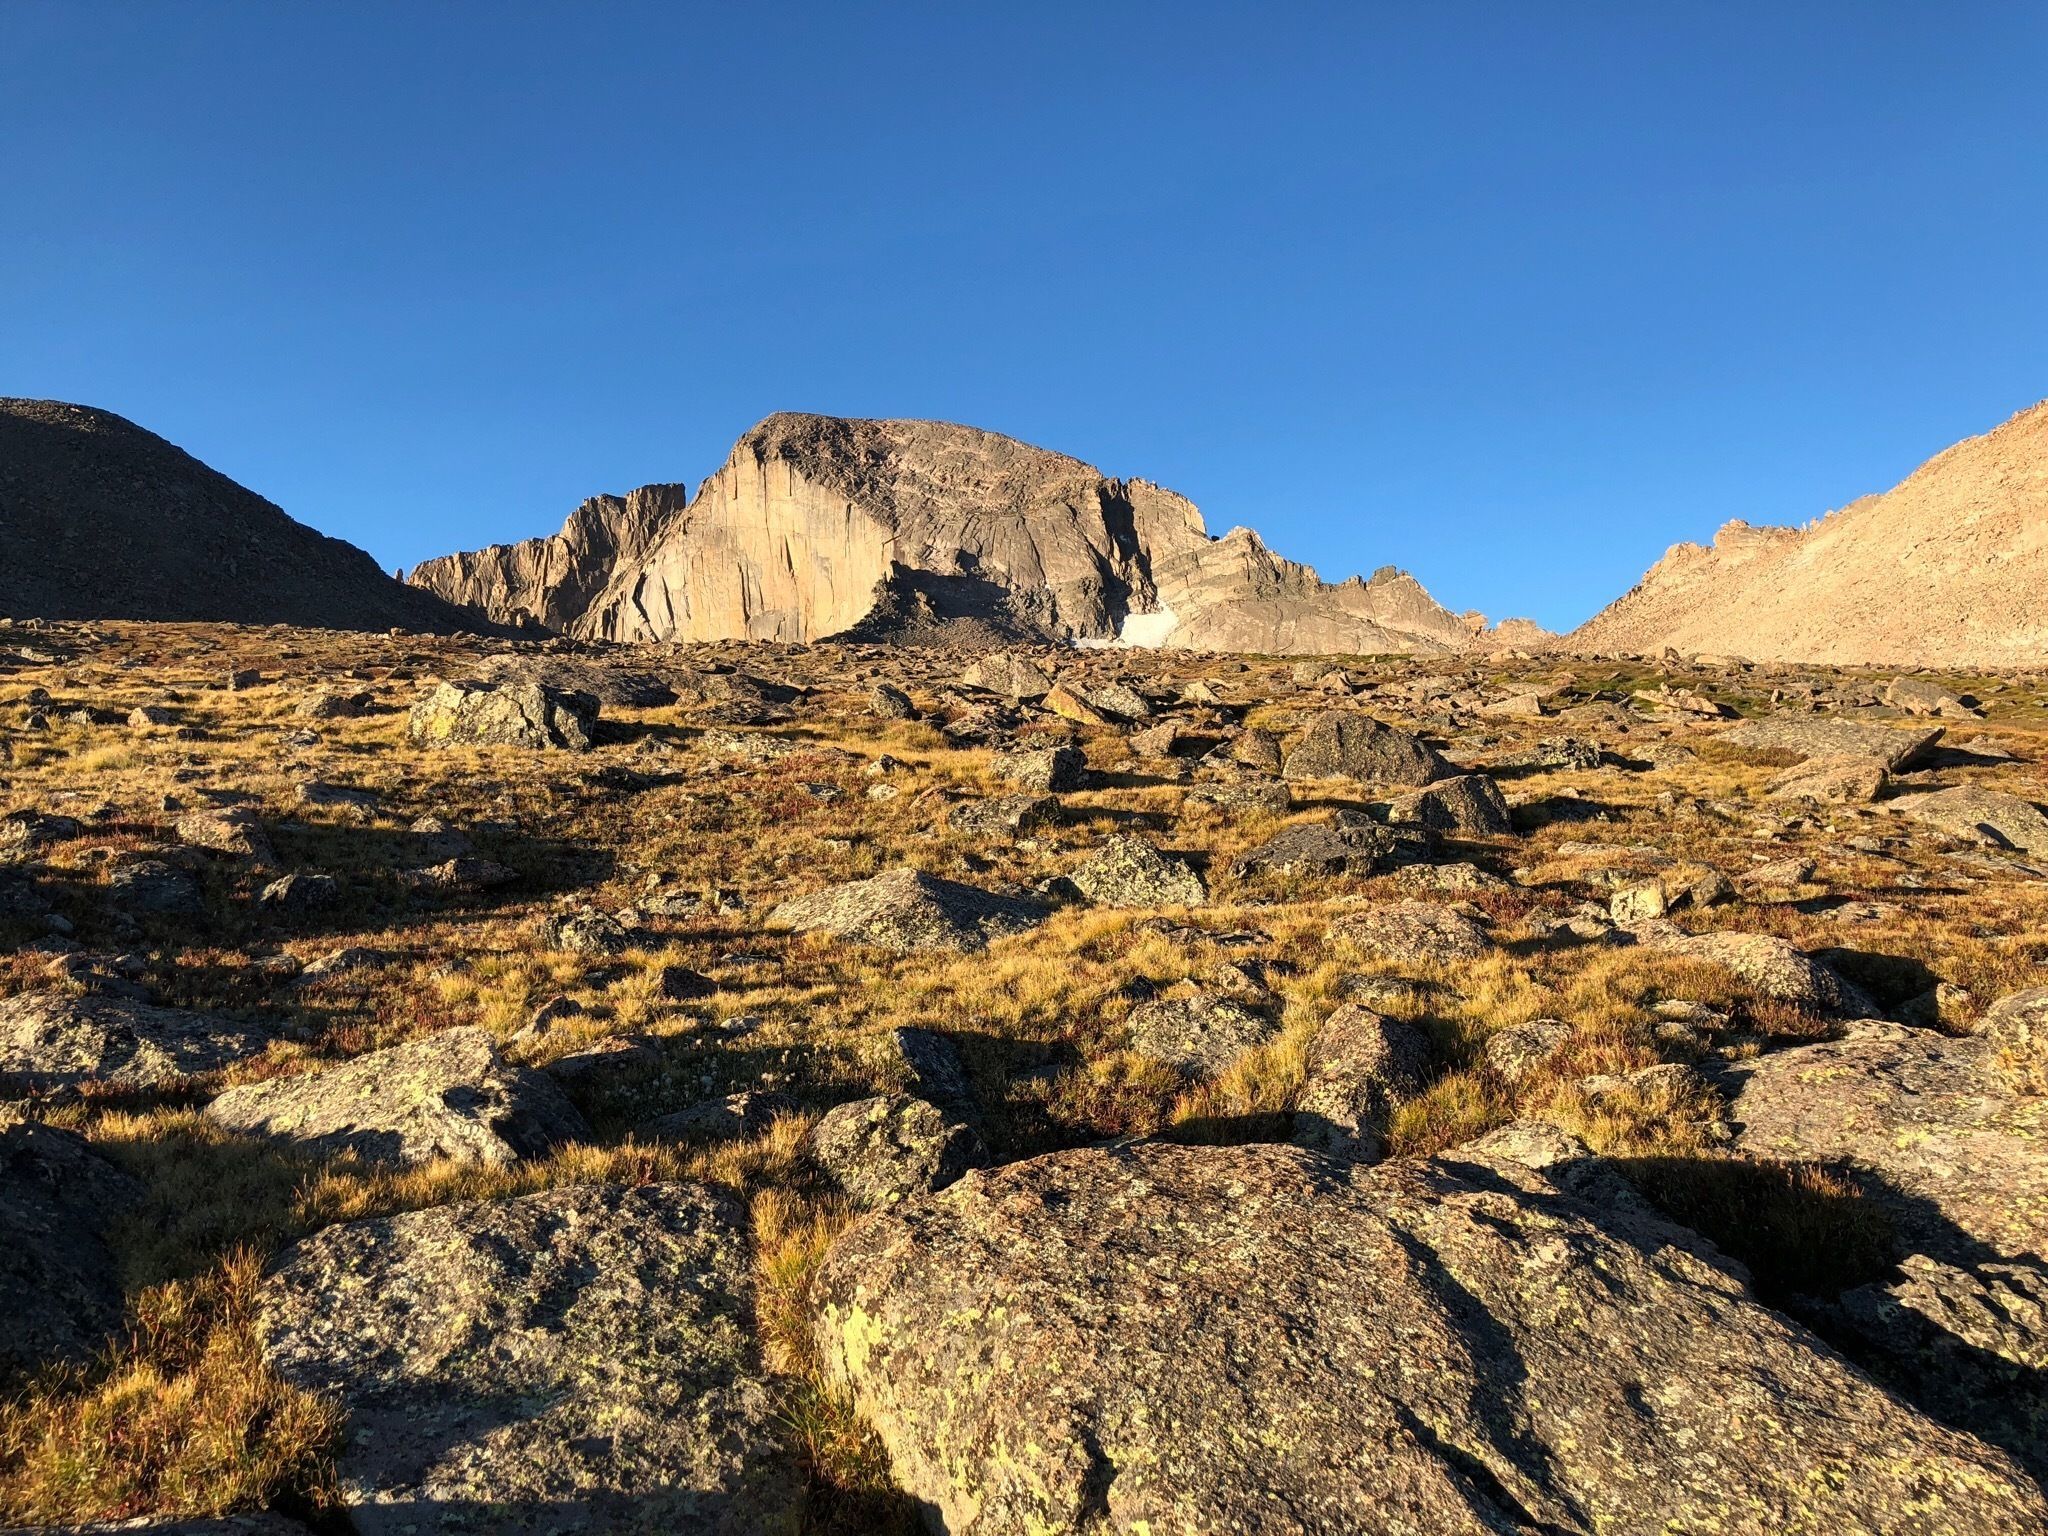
1816	736
1414	933
574	1360
1982	815
906	910
52	1040
59	1286
1197	1036
448	1095
1260	1340
1960	1152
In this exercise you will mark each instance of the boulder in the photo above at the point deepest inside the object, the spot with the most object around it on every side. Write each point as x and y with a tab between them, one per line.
885	1149
1197	1036
447	1095
585	932
237	832
1257	749
578	1359
1832	780
27	831
1980	815
906	910
299	894
2016	1029
515	714
888	702
1924	696
1046	771
60	1286
1015	677
1360	1067
1414	933
1341	744
1261	1340
1769	967
1129	872
152	889
1005	817
1810	736
51	1040
1521	1050
1467	803
1068	705
1958	1152
1347	844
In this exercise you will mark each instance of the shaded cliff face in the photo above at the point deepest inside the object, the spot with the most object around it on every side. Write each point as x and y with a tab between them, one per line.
100	519
1946	569
817	526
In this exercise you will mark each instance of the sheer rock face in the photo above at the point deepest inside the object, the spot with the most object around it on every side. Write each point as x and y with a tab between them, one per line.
1453	1347
577	1359
818	525
1945	569
103	520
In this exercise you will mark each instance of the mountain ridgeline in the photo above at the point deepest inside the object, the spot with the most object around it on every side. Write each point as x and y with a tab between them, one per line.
100	519
818	526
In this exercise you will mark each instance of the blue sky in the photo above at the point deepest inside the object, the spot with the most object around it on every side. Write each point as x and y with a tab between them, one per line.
1510	295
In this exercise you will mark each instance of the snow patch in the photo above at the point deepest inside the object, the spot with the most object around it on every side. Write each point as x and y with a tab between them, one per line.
1139	631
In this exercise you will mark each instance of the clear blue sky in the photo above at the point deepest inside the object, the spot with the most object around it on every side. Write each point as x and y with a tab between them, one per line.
1512	295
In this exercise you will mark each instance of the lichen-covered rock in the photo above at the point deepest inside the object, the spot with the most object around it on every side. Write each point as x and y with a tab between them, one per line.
1130	872
1260	1340
888	702
51	1040
734	1117
1360	1067
578	1359
1769	967
1469	803
1832	780
1961	1155
2016	1028
1197	1036
515	714
1341	744
1005	816
585	932
1047	771
1520	1050
1807	736
60	1289
1980	815
146	888
1414	933
1347	844
236	831
888	1148
448	1095
906	910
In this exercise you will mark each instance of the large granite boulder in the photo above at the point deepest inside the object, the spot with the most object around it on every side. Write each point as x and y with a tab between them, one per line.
1980	815
1197	1036
1342	744
514	714
446	1095
906	910
1468	803
60	1288
1809	736
1257	1339
1360	1067
54	1040
574	1360
1767	966
1349	843
1414	933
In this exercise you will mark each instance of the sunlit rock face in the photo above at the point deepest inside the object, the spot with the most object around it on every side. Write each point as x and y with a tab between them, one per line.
817	526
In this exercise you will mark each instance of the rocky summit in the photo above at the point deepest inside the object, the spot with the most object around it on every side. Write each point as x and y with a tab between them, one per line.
532	1082
818	526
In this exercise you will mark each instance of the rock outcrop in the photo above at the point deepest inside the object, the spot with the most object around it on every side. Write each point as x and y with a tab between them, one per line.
576	1359
818	526
1259	1339
60	1286
103	520
1945	569
52	1040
